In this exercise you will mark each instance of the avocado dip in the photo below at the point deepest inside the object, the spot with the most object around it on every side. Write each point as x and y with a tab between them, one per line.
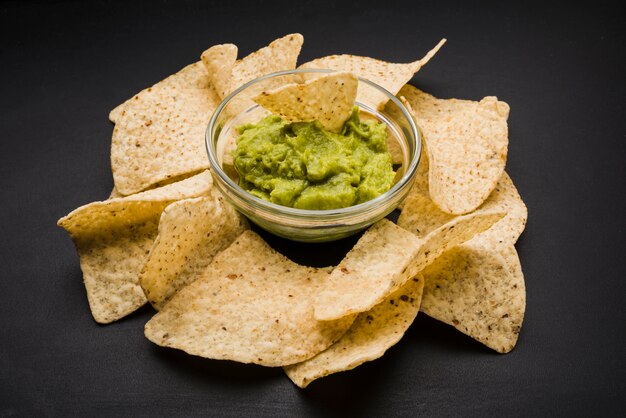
304	166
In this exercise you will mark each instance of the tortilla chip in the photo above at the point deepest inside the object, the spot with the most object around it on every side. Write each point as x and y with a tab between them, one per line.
113	238
328	99
480	291
192	76
191	233
219	61
251	305
160	133
388	75
280	55
421	215
370	336
467	147
385	258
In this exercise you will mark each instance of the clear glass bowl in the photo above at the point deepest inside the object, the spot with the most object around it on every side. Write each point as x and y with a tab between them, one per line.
311	225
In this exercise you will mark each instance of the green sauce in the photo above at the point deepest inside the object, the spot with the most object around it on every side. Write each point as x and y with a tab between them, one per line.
304	166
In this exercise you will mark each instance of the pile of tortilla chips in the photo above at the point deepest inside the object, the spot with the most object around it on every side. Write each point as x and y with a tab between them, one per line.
167	237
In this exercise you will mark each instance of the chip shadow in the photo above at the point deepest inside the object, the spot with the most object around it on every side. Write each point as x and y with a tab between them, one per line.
435	335
325	254
355	392
221	372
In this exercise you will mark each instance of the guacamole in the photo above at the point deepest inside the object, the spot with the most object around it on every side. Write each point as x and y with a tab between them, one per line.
304	166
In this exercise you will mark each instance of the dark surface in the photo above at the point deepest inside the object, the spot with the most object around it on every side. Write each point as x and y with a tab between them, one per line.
561	68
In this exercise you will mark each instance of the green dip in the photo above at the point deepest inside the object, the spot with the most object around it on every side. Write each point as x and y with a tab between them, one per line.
303	166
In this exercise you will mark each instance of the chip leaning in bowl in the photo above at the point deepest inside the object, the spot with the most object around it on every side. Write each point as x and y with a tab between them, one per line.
305	166
314	152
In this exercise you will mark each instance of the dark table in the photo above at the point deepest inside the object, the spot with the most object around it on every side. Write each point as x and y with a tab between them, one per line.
64	65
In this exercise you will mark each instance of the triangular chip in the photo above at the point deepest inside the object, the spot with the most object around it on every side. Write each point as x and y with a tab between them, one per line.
486	267
480	291
280	55
388	75
113	239
371	270
219	61
251	305
328	99
191	233
159	135
420	215
370	336
192	76
467	146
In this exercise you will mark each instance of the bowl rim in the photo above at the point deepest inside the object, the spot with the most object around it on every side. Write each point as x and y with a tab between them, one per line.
367	206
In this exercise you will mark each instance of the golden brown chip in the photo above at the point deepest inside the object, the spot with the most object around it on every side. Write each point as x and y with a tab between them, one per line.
113	238
480	291
328	99
251	305
370	336
160	133
388	75
191	233
467	146
385	258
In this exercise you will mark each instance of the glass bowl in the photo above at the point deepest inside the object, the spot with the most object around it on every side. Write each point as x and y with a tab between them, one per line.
404	143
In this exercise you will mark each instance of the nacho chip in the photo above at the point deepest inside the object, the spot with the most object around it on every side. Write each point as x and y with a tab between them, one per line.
385	258
421	215
251	305
370	336
280	55
113	238
160	133
467	147
480	291
328	99
192	76
191	233
388	75
219	61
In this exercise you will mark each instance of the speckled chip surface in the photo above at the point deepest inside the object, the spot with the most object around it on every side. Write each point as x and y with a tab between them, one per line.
467	145
480	292
191	233
251	305
421	215
160	133
328	99
192	76
389	75
466	280
219	61
370	336
279	55
369	272
113	239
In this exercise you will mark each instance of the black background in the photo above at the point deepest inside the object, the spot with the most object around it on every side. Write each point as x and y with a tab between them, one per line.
560	67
